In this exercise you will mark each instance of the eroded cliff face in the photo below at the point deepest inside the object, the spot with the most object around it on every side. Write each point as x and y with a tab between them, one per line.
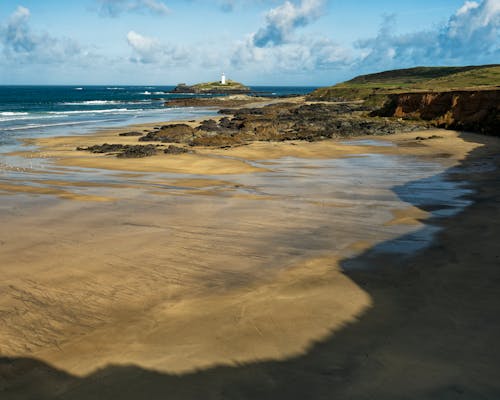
476	111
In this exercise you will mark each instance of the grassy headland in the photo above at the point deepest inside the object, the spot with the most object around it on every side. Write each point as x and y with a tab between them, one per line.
463	98
374	88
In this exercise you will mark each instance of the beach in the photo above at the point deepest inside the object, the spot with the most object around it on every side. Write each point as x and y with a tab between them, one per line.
233	269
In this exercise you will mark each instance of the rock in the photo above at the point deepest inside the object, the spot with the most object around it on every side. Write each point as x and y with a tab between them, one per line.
131	134
291	121
103	148
208	125
220	101
183	88
124	151
138	151
175	133
217	141
176	150
427	138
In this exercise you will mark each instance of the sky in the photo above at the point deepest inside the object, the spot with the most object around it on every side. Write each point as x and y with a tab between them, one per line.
257	42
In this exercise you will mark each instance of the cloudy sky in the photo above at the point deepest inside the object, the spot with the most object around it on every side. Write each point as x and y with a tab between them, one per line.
258	42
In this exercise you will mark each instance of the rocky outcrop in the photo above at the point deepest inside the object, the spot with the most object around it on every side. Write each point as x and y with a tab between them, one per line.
122	150
476	111
176	150
289	121
134	133
230	87
175	133
276	122
183	88
221	101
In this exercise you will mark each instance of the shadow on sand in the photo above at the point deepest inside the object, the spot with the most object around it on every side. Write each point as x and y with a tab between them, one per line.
433	331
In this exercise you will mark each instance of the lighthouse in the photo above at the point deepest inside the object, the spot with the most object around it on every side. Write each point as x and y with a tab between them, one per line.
223	79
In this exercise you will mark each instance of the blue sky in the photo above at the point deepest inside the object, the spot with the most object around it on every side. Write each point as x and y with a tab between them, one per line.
258	42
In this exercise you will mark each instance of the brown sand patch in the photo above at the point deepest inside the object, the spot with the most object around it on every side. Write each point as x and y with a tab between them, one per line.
63	194
451	144
408	216
273	320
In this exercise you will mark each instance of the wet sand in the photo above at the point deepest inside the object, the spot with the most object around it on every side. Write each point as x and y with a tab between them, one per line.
273	270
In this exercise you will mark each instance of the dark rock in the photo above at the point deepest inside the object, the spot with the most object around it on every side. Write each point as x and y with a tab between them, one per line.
176	150
291	121
427	138
217	141
138	151
183	88
208	125
176	133
124	151
131	134
103	148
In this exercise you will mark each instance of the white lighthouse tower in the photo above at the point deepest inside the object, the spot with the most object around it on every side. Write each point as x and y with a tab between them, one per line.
223	79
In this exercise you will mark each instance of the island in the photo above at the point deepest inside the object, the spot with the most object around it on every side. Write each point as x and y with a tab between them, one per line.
219	87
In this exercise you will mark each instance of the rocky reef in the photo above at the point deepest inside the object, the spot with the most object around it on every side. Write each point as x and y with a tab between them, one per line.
275	122
280	122
291	121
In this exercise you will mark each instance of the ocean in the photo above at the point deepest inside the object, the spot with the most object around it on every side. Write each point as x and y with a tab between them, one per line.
34	111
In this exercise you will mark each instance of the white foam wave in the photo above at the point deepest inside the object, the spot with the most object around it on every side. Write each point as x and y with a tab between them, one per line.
78	88
30	117
12	113
110	110
146	92
89	103
8	116
115	88
35	126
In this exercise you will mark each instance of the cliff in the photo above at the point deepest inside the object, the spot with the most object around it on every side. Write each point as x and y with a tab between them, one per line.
476	111
464	98
231	87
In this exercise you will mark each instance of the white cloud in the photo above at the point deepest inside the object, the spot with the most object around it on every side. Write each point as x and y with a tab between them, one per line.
471	36
304	54
113	8
469	5
284	19
274	47
147	50
21	45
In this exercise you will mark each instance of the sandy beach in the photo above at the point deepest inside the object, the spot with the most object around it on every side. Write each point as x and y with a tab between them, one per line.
262	270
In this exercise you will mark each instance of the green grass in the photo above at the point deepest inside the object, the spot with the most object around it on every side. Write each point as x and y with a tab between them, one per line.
376	86
217	85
